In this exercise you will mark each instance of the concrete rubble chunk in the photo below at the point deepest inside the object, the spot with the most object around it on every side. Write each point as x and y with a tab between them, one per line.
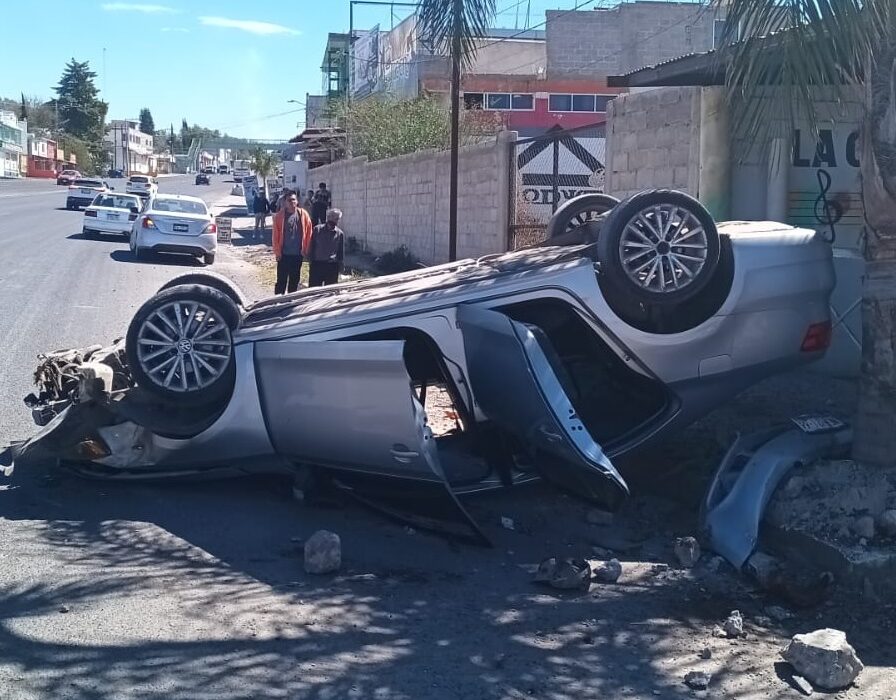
734	625
705	653
824	658
764	569
608	572
687	551
323	553
887	523
595	516
697	680
564	574
864	527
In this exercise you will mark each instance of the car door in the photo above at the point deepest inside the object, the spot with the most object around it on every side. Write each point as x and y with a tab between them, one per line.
348	407
518	383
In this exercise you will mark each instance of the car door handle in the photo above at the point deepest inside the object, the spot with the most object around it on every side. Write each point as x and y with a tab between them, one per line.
550	434
404	455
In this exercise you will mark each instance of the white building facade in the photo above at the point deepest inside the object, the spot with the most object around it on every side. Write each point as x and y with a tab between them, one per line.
13	145
130	148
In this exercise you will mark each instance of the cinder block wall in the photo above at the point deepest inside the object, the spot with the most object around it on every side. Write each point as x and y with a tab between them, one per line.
404	200
653	140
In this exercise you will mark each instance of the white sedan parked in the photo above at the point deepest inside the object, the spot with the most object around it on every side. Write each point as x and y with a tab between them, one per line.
143	185
111	213
174	223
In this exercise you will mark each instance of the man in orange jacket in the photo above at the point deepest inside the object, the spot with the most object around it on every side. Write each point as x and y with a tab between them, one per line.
290	239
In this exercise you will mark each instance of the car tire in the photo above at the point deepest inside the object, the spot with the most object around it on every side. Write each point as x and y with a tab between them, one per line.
663	273
213	280
578	212
193	365
209	258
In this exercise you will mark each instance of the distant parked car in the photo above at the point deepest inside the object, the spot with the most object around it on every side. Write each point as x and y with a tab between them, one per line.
116	172
174	223
203	179
142	185
223	169
82	192
112	213
67	177
209	170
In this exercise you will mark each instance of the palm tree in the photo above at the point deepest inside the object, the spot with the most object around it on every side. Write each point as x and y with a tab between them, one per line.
264	163
844	44
454	26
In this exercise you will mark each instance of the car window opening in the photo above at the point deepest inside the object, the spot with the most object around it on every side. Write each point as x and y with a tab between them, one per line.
610	397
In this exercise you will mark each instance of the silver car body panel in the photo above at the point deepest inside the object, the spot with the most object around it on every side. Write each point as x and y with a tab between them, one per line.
239	435
347	405
747	477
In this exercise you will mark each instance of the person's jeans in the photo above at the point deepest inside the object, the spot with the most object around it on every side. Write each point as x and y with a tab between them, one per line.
260	223
321	273
289	269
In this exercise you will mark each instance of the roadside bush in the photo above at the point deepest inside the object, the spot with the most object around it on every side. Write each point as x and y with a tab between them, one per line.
399	260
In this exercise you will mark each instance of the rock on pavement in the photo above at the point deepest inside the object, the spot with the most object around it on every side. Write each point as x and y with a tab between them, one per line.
734	625
698	680
323	553
687	551
608	572
824	658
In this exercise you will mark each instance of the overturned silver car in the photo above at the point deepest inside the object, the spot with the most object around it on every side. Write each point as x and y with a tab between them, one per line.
548	362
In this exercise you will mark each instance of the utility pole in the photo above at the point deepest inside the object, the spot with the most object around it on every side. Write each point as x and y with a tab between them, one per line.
455	129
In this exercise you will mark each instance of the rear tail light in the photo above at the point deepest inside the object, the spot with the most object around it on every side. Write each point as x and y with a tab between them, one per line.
89	213
148	223
211	228
817	338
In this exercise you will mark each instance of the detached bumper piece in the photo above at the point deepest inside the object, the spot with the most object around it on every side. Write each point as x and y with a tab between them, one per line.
751	471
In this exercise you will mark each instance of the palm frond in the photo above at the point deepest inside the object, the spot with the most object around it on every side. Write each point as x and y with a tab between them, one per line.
796	46
440	21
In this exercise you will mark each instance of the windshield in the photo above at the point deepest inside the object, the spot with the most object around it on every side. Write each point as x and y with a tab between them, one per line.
88	183
179	206
116	201
139	178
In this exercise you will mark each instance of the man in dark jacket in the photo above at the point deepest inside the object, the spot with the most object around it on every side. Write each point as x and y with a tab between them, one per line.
260	208
326	251
320	203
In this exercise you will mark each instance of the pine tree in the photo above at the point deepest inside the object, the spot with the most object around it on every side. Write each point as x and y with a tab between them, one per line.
23	110
147	125
81	113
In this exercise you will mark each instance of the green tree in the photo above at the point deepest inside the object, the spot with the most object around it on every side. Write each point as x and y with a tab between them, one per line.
81	113
147	125
264	163
388	128
185	137
454	26
23	109
846	46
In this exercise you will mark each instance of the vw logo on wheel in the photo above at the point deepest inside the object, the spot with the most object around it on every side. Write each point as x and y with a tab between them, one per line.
184	346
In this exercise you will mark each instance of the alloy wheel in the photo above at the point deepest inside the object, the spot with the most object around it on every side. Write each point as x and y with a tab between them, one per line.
663	248
184	346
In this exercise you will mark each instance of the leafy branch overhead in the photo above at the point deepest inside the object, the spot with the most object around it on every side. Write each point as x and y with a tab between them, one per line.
387	128
441	21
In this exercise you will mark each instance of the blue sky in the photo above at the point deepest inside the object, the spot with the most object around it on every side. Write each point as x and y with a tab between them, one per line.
226	64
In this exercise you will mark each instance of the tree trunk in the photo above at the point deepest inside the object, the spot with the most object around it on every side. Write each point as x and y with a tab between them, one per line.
455	131
875	431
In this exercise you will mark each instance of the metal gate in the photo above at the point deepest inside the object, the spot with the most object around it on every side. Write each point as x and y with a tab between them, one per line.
547	170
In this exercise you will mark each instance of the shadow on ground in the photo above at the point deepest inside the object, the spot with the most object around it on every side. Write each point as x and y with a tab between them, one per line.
126	256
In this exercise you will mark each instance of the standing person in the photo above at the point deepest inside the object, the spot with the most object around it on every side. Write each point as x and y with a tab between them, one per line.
308	204
292	235
320	203
260	207
326	251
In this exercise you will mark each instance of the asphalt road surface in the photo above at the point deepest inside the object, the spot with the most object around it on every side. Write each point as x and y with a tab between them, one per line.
195	591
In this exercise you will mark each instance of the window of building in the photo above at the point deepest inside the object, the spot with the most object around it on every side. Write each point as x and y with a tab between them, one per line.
718	32
601	102
583	103
474	100
498	100
523	102
560	103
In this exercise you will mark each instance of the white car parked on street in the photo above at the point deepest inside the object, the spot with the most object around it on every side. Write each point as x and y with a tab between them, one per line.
112	213
174	223
142	185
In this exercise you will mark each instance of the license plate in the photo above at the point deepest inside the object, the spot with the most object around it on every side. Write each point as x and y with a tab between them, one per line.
112	216
181	227
818	424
